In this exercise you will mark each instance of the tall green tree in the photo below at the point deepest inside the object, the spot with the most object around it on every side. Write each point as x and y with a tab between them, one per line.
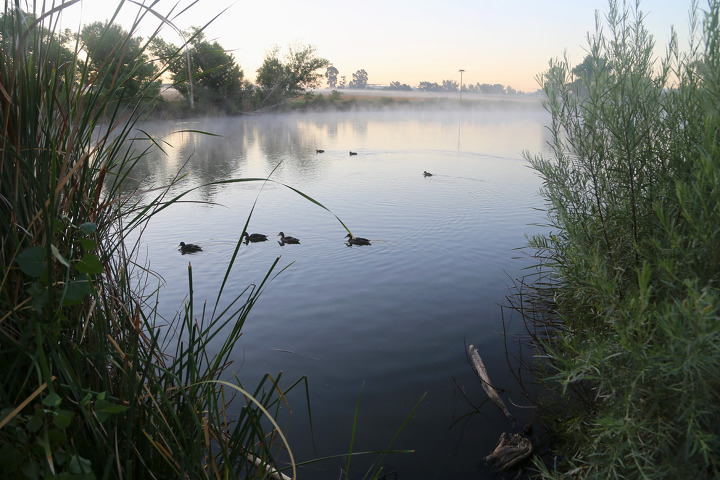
332	75
399	86
51	45
218	81
360	79
279	80
116	57
429	87
450	86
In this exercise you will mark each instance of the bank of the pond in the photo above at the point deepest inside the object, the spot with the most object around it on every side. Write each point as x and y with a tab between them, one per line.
626	318
175	106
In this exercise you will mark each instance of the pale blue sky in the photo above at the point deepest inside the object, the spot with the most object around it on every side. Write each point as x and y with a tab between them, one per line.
494	41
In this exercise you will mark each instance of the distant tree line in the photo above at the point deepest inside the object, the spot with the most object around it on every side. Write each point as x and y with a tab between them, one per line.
453	86
360	80
208	76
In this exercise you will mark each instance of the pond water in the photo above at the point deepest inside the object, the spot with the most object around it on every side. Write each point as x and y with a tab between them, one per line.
390	321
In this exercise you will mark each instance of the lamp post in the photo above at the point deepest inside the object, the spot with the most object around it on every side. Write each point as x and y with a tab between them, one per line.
461	84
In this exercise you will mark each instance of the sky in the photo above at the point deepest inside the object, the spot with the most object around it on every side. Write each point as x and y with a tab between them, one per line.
508	42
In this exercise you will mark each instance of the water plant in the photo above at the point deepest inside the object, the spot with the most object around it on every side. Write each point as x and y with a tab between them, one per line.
624	313
95	383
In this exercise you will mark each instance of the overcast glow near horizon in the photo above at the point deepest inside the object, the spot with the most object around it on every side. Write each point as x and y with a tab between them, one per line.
501	41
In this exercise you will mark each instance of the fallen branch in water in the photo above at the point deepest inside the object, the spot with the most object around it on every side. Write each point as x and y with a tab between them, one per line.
487	386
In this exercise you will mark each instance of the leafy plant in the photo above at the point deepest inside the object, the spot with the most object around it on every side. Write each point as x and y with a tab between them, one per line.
91	388
626	325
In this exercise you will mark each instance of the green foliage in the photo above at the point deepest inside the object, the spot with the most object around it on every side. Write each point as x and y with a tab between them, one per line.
119	62
399	86
218	81
634	205
90	388
332	76
360	79
279	80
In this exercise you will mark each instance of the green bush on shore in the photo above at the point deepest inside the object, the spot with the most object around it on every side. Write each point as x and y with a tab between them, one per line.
633	200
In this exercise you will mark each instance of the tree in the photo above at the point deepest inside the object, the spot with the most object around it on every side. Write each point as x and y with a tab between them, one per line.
218	80
449	86
280	80
115	56
492	89
360	79
14	24
586	73
429	87
332	75
399	86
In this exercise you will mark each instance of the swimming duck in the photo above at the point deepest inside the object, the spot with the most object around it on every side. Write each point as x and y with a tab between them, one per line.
254	237
284	239
353	153
427	174
357	240
189	248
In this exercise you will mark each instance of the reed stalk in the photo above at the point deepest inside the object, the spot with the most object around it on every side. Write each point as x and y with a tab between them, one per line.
91	388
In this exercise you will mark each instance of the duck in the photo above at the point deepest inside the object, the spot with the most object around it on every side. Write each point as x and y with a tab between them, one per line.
319	151
427	174
254	237
357	240
284	239
189	248
353	153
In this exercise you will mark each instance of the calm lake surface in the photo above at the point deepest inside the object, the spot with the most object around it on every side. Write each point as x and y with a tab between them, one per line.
390	321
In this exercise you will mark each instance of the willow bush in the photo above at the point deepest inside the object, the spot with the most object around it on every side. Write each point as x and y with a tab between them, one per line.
89	387
633	200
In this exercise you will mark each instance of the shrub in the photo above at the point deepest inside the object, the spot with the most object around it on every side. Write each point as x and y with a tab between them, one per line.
634	205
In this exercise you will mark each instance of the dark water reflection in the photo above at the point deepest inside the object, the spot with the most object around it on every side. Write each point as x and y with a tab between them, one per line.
393	316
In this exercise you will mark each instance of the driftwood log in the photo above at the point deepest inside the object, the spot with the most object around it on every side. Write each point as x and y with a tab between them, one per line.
487	386
510	451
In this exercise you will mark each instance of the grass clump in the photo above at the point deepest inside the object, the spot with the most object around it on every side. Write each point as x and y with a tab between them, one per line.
633	199
90	387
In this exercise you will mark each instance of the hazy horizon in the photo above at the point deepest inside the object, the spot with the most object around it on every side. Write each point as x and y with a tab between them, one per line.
508	44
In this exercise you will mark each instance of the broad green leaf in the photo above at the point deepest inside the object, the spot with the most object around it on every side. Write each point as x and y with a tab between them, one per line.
52	400
32	261
87	244
89	263
35	423
63	418
77	289
104	409
88	227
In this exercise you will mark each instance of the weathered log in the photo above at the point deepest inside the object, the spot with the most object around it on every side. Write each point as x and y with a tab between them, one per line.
509	451
487	386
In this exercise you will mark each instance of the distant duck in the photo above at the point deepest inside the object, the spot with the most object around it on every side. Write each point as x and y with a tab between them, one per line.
254	237
353	153
284	239
189	248
357	240
319	151
427	174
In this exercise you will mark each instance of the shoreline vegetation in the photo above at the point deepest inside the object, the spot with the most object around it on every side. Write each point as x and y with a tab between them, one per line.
95	383
174	105
623	310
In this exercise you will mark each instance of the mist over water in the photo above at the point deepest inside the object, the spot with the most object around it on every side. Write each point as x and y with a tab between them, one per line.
391	319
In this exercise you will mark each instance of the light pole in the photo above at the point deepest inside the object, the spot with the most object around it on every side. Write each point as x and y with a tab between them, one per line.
461	84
